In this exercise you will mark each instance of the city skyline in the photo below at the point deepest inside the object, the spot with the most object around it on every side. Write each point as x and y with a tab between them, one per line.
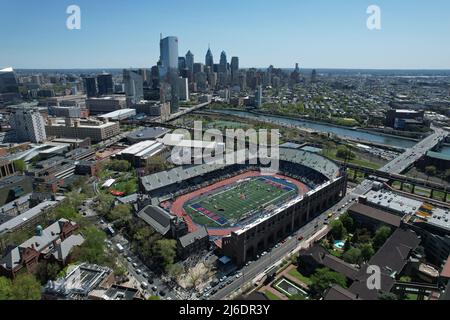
124	36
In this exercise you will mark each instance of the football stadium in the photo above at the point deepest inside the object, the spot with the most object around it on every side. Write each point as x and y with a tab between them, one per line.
239	199
244	210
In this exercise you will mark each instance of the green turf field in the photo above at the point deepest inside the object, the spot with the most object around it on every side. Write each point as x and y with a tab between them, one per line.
238	201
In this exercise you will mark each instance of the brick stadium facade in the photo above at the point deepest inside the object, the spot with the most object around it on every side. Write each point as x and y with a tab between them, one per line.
244	244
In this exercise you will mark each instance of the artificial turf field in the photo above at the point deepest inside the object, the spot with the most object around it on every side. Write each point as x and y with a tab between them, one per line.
226	206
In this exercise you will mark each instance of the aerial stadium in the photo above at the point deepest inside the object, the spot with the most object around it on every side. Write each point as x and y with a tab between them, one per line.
244	210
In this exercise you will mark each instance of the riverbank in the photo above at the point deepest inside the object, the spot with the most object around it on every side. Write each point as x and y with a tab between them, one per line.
359	136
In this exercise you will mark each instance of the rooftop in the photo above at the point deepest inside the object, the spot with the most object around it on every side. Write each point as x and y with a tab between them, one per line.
8	69
165	178
82	123
157	217
191	237
28	215
376	214
118	113
143	148
394	202
438	155
79	281
148	133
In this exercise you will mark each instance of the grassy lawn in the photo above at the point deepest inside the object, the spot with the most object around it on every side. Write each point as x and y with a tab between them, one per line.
336	253
299	276
271	296
129	186
357	161
411	296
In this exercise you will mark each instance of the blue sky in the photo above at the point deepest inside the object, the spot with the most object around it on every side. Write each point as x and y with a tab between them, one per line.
415	34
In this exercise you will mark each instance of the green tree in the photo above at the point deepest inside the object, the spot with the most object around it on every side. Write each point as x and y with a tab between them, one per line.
405	279
26	287
447	175
120	212
5	288
105	203
93	248
348	222
165	252
338	230
381	235
347	246
120	271
47	271
364	236
20	165
367	251
344	152
323	278
431	170
154	298
352	256
175	270
119	165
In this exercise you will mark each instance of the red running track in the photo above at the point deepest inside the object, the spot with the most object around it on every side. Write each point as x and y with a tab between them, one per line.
177	206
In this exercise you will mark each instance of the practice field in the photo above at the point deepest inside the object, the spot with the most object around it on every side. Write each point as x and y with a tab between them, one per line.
230	204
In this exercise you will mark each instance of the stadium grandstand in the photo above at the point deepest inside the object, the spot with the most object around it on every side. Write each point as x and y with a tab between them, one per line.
245	209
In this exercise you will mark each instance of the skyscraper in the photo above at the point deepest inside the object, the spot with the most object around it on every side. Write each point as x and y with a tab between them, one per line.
90	86
105	84
29	125
235	70
8	81
181	63
169	55
183	89
134	86
190	60
169	68
198	67
223	62
209	59
259	97
234	64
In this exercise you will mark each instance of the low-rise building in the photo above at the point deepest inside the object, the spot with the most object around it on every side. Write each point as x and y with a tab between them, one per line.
14	187
140	155
118	115
149	133
193	242
52	244
372	217
96	130
105	104
79	283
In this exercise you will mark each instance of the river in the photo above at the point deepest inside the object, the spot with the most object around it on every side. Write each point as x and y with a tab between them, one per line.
339	131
